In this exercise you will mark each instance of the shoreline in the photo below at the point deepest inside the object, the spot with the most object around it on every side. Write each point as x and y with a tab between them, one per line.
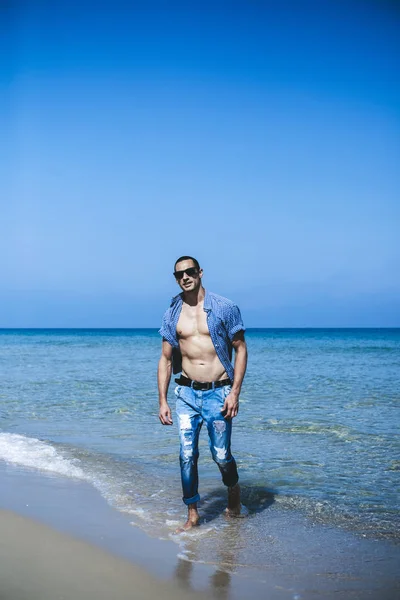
39	563
70	516
75	511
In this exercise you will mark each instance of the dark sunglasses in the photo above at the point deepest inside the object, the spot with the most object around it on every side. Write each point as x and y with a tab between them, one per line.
191	272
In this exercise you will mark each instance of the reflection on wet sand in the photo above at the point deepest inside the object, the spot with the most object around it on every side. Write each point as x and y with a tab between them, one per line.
227	541
183	573
219	581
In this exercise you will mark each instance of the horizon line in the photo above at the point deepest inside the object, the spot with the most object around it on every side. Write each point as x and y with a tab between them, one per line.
157	328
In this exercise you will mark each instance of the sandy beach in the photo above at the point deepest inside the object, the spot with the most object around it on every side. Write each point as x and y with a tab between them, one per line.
56	531
61	540
38	563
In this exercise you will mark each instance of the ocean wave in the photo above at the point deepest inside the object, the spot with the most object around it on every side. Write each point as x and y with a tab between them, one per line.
33	453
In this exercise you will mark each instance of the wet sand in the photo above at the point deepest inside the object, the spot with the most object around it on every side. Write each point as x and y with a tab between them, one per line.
60	540
75	511
38	563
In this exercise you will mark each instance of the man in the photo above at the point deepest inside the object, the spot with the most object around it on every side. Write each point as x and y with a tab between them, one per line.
199	331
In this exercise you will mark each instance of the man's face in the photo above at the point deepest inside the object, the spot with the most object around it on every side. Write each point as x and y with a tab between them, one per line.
188	282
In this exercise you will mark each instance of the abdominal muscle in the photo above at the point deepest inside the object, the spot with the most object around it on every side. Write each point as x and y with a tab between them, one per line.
199	359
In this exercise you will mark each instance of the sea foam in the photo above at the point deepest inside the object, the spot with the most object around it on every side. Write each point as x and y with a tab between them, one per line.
33	453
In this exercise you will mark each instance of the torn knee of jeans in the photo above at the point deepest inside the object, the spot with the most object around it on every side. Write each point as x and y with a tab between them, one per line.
187	453
220	426
220	454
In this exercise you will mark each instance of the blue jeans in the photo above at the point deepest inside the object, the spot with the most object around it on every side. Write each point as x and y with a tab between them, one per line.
192	408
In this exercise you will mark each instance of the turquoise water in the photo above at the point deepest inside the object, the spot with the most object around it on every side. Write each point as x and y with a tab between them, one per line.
317	430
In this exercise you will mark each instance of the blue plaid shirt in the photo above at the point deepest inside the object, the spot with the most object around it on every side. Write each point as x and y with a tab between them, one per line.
223	319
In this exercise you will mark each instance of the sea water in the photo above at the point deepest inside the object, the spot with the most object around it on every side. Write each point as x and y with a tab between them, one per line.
316	435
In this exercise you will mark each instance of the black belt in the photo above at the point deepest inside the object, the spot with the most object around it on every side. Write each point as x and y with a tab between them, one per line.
202	385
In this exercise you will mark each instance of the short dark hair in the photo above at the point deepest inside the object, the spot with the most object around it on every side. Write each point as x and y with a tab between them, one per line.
181	258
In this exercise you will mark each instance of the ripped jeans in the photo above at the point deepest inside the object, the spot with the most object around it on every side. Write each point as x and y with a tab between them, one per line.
192	408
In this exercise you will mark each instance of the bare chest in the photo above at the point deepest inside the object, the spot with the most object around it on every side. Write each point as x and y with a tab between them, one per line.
192	322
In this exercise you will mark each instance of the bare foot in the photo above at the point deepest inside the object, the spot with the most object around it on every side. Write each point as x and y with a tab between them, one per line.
234	504
192	520
188	525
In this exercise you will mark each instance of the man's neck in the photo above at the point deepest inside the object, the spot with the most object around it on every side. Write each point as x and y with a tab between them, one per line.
195	297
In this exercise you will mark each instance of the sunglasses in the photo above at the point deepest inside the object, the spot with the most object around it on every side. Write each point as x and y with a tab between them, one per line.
191	272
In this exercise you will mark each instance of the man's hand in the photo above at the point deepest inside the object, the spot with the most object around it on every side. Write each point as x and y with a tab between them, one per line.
231	406
164	375
165	414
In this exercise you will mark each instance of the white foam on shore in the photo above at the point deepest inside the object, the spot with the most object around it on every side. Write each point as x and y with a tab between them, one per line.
30	452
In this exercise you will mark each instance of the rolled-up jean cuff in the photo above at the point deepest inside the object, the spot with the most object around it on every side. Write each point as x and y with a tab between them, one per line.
231	484
192	500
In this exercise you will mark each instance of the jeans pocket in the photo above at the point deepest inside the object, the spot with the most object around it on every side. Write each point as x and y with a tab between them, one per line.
177	390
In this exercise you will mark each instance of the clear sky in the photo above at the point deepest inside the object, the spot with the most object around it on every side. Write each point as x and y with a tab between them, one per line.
261	137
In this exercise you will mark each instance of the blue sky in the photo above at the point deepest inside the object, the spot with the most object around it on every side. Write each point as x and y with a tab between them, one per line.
260	137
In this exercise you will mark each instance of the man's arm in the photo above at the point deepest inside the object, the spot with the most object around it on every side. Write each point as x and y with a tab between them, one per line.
164	377
231	405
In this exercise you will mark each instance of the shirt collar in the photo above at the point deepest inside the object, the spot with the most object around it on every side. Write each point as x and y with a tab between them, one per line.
207	300
178	299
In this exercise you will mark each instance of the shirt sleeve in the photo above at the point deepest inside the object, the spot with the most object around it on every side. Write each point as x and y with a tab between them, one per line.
165	330
235	322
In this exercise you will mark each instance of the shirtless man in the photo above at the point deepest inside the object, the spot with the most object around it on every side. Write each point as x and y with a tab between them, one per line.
199	331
